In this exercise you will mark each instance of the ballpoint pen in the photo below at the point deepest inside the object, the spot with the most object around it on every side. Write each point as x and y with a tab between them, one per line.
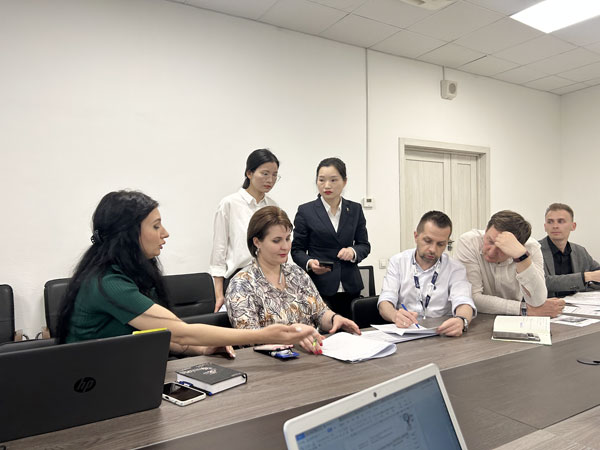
404	308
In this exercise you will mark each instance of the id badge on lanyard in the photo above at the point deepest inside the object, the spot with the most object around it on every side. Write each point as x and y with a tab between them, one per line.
430	286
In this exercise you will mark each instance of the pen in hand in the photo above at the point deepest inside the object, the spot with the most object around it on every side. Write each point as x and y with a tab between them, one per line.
404	308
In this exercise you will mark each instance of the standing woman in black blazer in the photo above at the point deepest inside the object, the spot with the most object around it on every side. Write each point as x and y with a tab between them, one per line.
332	229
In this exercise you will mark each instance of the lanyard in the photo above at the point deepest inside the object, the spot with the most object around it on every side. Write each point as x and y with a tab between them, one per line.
430	287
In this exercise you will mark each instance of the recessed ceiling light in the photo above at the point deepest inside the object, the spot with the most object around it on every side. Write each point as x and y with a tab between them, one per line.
552	15
432	5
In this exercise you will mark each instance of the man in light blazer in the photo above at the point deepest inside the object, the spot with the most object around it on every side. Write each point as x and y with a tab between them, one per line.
568	267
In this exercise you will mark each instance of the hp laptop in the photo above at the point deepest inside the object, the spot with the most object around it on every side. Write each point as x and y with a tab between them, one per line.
61	386
409	412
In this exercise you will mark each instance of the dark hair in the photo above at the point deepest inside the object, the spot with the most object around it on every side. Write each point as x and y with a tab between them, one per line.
560	207
513	222
440	220
333	162
116	241
261	221
256	159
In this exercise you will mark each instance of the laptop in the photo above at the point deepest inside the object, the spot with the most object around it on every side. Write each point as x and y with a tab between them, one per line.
61	386
409	412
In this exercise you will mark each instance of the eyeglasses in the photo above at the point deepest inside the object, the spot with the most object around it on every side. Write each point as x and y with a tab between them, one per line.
269	175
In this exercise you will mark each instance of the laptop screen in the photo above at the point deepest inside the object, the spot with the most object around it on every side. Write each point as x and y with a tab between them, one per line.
413	418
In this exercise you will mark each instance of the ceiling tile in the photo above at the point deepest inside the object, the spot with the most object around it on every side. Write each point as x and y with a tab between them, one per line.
345	5
569	88
534	50
566	61
302	15
549	83
392	12
359	31
584	73
249	10
487	66
451	55
583	33
594	82
455	21
507	7
594	47
519	75
498	36
407	43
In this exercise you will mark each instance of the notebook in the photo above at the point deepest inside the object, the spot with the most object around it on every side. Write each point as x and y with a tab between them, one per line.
51	388
409	412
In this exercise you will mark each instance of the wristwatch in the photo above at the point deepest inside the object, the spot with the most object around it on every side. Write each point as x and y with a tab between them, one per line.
465	323
523	257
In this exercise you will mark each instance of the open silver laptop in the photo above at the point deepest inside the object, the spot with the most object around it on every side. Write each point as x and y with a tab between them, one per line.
51	388
410	412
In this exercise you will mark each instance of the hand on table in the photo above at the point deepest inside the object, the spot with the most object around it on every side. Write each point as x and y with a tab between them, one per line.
552	307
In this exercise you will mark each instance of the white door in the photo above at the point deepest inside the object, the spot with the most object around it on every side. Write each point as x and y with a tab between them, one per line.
442	181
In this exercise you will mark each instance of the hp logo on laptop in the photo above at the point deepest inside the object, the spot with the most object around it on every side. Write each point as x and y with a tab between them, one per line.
84	385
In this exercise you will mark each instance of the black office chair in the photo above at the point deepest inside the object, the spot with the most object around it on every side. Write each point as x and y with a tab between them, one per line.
54	292
220	319
7	314
366	273
365	312
190	294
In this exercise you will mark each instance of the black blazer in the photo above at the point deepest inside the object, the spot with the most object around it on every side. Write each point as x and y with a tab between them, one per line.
315	238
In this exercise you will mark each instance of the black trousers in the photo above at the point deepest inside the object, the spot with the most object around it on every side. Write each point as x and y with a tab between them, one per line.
340	302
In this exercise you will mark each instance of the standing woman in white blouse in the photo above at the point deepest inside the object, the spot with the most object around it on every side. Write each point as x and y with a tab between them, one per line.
230	251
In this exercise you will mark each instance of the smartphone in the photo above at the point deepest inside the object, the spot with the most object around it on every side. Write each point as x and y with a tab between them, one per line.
515	336
326	264
283	352
181	395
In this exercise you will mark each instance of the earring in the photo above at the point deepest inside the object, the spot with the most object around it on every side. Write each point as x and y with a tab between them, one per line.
257	250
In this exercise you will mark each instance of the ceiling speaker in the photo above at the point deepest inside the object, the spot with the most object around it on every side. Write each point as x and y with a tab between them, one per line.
449	89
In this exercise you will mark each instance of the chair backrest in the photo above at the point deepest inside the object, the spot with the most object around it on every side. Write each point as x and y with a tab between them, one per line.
27	345
220	319
7	313
54	292
365	312
366	273
190	294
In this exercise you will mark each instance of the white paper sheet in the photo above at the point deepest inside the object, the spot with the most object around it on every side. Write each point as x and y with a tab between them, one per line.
352	348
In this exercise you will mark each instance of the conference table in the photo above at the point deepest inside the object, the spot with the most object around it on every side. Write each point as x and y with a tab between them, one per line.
506	395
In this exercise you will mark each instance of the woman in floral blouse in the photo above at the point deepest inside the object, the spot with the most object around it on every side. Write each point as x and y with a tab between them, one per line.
270	290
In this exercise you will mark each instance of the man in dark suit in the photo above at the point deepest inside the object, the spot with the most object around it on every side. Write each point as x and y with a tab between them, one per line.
330	239
568	267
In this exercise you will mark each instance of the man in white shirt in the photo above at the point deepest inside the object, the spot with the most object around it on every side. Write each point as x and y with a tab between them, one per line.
506	269
425	282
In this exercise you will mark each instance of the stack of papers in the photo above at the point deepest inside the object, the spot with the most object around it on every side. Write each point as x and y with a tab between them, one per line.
352	348
412	330
532	330
574	321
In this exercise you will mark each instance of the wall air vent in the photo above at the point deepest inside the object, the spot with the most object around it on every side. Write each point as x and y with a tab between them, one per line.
431	5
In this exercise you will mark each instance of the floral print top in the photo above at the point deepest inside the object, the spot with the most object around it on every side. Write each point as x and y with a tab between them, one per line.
253	302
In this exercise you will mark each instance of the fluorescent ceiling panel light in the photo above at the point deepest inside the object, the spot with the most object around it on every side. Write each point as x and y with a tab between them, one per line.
552	15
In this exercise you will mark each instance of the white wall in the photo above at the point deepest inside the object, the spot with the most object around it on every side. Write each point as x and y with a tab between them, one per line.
170	99
580	160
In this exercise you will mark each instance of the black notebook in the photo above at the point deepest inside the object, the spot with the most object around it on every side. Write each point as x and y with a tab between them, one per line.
211	378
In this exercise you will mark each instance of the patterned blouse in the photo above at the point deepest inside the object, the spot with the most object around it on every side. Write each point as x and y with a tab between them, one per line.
253	302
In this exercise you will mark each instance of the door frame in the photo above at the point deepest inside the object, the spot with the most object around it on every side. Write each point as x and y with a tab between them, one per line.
483	175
